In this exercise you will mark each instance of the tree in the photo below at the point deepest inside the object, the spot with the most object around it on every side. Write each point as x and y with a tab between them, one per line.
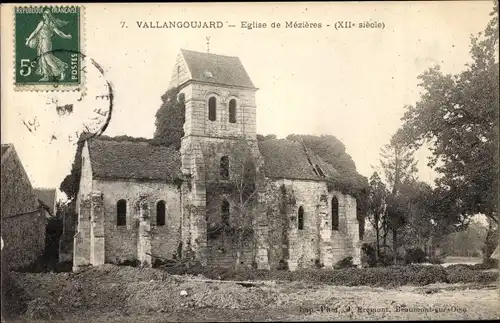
266	137
458	116
233	195
170	119
468	242
377	203
399	166
420	222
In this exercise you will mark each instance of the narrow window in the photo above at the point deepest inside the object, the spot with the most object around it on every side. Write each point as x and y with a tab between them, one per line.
121	212
335	214
232	111
225	212
212	108
301	218
224	167
160	213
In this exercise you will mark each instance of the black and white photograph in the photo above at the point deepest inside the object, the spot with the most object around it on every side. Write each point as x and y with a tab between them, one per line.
286	161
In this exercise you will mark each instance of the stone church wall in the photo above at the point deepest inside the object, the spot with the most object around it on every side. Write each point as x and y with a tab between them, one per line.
79	230
218	251
121	241
197	122
345	241
317	243
222	253
221	248
303	245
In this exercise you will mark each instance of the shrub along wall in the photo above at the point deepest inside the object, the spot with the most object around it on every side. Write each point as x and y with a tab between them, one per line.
380	276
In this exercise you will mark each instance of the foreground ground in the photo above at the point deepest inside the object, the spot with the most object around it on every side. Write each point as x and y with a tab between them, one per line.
127	294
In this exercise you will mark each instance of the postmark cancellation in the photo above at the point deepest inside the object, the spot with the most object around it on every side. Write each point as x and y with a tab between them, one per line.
48	43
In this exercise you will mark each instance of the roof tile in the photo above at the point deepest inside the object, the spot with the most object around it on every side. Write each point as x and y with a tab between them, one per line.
219	69
133	160
286	159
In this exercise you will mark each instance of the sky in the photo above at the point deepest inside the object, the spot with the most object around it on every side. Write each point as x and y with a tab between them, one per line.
350	83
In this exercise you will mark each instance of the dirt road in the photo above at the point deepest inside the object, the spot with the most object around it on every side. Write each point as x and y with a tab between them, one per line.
127	294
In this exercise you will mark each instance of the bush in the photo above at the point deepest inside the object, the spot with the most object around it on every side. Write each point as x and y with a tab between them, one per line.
414	256
436	260
369	255
344	263
128	262
390	276
465	274
386	257
430	275
458	267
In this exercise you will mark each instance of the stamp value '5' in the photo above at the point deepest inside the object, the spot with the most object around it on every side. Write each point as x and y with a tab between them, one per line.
48	48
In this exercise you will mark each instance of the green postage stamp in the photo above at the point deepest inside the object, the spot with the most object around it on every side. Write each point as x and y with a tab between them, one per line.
48	48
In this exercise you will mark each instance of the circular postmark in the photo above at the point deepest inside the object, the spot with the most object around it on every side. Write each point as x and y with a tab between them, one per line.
74	115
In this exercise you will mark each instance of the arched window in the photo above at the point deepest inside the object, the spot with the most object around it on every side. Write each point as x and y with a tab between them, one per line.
224	167
301	218
160	213
225	212
232	111
212	108
121	212
335	214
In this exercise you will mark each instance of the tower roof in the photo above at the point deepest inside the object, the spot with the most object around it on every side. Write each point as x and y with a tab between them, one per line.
217	69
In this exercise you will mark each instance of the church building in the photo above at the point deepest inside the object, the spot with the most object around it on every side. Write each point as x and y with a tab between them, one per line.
225	198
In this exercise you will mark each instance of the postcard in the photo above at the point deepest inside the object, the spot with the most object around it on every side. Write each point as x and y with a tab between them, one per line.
285	161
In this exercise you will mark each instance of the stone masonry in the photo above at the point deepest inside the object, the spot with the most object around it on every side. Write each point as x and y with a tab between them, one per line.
211	135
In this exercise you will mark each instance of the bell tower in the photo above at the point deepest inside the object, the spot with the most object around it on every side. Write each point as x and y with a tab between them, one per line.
218	93
220	112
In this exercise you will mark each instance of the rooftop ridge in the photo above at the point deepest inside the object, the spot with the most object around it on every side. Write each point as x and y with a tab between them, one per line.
123	138
205	53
